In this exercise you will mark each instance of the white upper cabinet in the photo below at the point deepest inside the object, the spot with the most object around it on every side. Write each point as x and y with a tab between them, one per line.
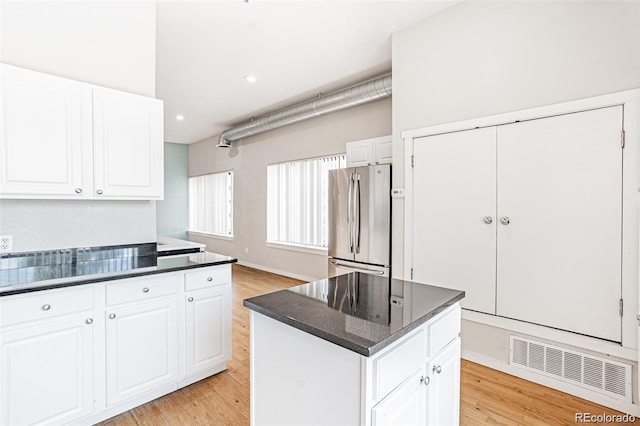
369	152
45	122
64	139
128	161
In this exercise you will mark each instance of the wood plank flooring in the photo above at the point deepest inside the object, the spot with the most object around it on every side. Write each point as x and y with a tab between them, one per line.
487	396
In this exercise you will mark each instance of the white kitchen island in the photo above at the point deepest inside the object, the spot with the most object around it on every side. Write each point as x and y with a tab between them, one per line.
356	349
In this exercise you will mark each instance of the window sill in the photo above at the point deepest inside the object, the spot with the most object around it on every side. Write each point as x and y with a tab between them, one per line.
208	235
298	247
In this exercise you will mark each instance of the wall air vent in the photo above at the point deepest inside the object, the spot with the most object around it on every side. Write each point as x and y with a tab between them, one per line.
598	374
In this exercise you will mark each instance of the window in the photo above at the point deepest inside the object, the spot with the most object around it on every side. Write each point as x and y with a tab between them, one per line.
211	204
298	201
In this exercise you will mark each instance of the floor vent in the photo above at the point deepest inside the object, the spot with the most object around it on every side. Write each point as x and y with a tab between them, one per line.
599	374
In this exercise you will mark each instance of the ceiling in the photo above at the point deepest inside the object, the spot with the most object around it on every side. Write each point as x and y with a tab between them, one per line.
295	49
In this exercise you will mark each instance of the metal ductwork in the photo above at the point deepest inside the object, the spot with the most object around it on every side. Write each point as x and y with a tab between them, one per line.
361	93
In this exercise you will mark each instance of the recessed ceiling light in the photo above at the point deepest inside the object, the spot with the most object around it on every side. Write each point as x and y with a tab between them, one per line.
179	117
250	78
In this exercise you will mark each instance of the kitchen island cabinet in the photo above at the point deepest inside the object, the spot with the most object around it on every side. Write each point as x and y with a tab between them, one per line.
384	357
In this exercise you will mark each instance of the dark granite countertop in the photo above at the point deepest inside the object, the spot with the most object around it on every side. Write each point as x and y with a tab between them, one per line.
360	312
29	272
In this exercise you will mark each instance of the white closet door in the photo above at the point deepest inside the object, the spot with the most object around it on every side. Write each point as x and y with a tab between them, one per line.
454	191
559	258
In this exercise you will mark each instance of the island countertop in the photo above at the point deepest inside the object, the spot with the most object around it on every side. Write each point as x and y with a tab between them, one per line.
28	272
360	312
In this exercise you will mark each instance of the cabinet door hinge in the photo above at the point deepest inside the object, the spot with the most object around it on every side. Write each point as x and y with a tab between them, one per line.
411	273
621	308
412	161
622	139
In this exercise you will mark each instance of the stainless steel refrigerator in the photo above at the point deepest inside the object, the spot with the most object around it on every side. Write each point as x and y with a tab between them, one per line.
360	220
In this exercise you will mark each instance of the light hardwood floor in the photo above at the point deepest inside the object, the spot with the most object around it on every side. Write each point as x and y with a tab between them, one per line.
487	396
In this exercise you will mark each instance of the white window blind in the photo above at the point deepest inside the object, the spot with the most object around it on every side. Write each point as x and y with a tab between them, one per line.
298	200
211	204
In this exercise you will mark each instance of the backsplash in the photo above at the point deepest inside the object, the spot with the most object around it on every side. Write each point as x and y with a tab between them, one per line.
19	268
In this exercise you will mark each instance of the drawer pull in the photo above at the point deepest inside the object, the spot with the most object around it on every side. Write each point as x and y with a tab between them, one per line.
46	307
145	290
112	316
78	190
209	279
190	299
437	369
425	380
89	321
99	192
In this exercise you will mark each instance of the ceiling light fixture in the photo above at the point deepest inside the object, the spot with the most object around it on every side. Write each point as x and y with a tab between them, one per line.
179	117
250	78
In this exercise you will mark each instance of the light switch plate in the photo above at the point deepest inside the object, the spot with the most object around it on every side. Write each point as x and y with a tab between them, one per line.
6	243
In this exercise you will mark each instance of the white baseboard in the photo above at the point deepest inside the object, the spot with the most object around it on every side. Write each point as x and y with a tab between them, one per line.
580	392
277	271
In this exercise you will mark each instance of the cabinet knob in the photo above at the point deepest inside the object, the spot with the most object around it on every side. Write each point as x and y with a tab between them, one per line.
112	316
78	190
209	279
89	321
99	192
505	220
487	220
437	369
190	299
145	290
46	307
425	380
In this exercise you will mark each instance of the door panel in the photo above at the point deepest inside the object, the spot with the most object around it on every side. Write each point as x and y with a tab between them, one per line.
559	258
406	405
374	225
47	373
339	228
45	125
454	190
141	349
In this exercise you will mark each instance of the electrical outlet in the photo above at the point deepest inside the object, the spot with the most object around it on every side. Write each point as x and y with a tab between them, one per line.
6	243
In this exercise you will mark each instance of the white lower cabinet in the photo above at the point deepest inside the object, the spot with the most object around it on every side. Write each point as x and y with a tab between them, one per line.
90	352
430	396
413	381
208	328
142	348
406	405
47	373
443	406
47	357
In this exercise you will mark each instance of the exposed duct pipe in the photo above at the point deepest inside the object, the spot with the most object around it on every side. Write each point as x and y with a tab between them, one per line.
361	93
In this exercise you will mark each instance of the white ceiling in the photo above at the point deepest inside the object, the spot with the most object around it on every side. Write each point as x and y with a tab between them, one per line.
296	49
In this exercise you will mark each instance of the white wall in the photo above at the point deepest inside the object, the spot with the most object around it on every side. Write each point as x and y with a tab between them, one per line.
110	44
249	159
483	58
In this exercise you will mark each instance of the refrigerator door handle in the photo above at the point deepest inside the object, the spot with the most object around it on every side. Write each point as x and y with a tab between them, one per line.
355	268
349	218
357	214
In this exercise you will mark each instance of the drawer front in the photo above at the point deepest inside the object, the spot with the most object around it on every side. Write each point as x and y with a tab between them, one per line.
45	304
444	330
396	364
133	290
207	277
